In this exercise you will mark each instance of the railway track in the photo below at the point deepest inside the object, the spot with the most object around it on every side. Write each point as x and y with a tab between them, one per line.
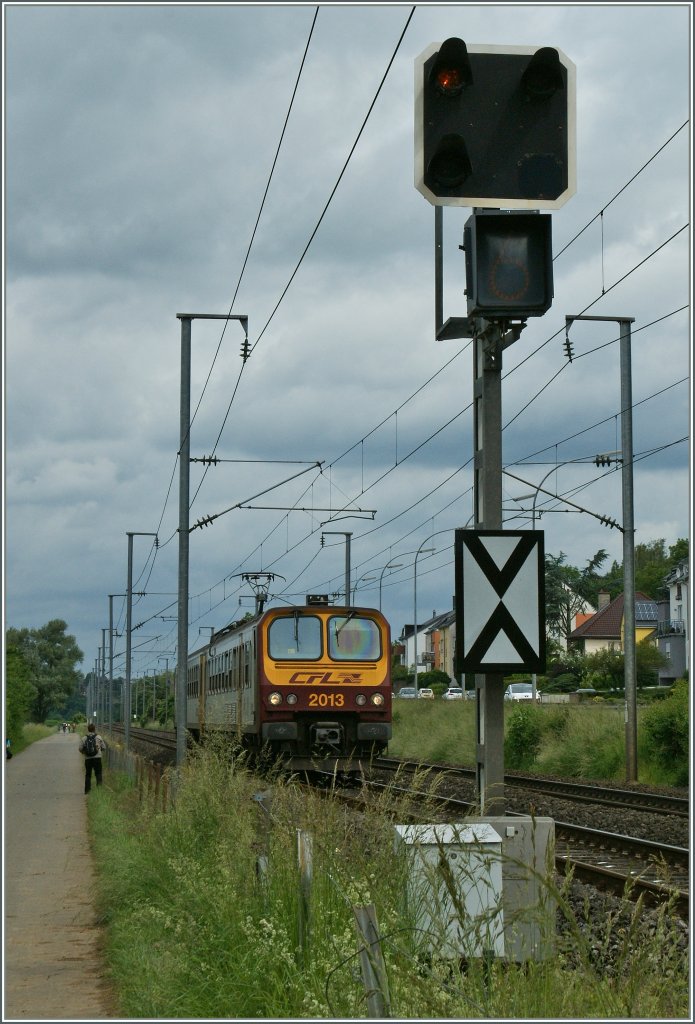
624	865
157	739
622	799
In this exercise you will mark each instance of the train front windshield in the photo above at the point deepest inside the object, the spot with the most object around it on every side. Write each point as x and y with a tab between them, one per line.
351	638
294	637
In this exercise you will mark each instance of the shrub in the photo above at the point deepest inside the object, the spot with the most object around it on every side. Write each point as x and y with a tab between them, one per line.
436	679
523	736
400	674
564	683
666	730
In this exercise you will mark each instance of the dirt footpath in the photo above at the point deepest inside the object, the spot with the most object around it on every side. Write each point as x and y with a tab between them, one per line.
53	970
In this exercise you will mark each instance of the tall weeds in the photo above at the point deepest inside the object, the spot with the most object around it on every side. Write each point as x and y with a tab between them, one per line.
201	908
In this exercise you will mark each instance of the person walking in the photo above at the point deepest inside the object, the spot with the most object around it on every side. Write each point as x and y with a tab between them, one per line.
91	746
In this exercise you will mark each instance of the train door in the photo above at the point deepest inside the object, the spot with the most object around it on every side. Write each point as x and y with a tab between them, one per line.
249	683
202	691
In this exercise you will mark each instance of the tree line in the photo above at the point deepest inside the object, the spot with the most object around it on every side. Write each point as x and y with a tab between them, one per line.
40	673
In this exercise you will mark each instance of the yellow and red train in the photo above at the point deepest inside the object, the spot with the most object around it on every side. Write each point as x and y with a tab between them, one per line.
310	684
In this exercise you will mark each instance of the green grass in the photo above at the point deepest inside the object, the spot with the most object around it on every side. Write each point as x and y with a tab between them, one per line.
30	734
195	930
576	741
432	730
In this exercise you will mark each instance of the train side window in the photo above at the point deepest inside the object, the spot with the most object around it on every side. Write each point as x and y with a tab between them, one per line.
293	637
353	638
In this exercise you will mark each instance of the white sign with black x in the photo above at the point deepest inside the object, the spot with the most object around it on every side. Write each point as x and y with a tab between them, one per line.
500	601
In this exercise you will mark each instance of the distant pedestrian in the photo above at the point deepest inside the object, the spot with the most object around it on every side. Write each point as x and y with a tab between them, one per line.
91	746
8	749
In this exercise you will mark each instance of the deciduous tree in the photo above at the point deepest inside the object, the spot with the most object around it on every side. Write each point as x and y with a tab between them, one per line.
18	692
50	655
568	590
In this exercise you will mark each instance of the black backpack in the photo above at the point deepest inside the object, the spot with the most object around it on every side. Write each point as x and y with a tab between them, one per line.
90	745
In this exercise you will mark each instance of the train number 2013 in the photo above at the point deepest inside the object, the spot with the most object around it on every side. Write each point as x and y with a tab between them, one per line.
326	700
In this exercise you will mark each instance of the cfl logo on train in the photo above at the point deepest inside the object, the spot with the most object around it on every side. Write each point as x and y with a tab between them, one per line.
325	678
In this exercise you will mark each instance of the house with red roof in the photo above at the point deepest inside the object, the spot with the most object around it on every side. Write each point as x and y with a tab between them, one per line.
605	629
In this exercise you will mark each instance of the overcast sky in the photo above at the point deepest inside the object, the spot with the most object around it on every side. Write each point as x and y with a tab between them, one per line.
139	142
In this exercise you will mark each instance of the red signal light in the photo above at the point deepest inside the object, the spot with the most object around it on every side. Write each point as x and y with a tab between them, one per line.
451	69
449	80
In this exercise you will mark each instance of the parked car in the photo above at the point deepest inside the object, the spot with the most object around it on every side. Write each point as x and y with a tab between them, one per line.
519	691
453	693
407	693
425	693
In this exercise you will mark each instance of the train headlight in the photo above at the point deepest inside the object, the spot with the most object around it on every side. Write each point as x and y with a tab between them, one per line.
275	698
291	698
360	699
378	699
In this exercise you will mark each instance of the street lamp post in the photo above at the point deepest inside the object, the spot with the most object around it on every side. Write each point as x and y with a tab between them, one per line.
534	677
364	576
420	550
184	498
389	565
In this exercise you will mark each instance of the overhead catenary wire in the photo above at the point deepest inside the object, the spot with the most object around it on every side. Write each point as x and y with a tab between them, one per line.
286	593
562	251
335	187
309	242
622	189
243	268
517	462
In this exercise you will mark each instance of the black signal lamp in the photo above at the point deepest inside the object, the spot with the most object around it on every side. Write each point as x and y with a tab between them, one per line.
543	76
450	164
509	265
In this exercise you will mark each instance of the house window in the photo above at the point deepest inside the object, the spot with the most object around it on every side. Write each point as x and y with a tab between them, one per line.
678	592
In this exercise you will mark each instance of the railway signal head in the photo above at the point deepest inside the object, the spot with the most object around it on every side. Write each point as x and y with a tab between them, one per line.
509	264
447	164
495	127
